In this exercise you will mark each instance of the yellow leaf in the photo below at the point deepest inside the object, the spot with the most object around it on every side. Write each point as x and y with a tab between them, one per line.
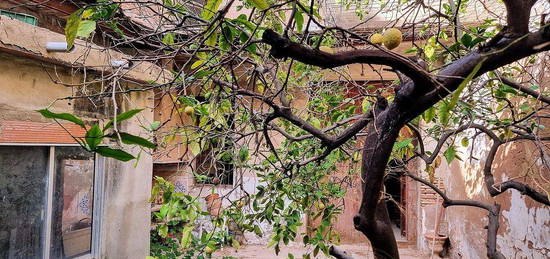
260	4
87	13
260	88
197	63
210	9
195	148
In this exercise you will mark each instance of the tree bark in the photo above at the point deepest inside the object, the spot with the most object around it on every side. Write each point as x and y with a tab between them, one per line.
373	220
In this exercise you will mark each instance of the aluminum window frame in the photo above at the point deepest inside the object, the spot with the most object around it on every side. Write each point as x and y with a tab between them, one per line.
98	200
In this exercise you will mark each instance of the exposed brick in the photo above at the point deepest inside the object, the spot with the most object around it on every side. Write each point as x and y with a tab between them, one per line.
39	132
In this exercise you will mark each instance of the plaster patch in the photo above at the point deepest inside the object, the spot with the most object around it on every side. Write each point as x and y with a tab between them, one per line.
527	230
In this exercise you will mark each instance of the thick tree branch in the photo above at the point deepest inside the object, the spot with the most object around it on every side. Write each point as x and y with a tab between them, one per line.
331	142
505	53
282	47
497	189
518	13
522	188
338	253
372	218
287	113
526	90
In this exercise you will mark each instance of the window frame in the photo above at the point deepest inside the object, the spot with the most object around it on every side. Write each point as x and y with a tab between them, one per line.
97	192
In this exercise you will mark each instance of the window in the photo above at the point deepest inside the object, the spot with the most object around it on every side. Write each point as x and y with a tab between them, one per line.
20	16
216	162
47	204
23	183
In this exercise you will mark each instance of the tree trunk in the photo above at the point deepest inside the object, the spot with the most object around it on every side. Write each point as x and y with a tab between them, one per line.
373	220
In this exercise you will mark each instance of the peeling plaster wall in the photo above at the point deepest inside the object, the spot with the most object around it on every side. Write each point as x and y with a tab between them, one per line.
26	87
527	230
524	224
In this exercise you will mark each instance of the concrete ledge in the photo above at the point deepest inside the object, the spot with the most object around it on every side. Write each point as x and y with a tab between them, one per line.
23	39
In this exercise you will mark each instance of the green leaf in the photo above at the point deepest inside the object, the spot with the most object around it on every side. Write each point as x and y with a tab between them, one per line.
203	73
365	105
164	211
450	154
402	144
85	28
212	38
258	231
299	18
154	126
94	136
188	101
458	91
87	14
466	40
168	39
444	113
115	153
130	139
114	26
186	236
71	28
163	231
260	4
122	117
429	114
154	192
235	243
411	50
226	37
61	116
210	9
243	154
244	21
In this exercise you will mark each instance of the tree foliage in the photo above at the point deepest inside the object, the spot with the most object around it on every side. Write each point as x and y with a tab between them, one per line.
250	87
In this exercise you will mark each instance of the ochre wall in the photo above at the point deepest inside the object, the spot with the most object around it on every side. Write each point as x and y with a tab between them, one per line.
26	87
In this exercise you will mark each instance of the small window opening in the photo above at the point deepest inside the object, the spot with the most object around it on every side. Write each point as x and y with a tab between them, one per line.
20	17
216	162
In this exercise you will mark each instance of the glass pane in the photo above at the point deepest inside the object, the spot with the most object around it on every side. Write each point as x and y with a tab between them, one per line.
72	203
23	183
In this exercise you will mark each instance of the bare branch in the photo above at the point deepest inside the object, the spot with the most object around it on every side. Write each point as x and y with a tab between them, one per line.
526	90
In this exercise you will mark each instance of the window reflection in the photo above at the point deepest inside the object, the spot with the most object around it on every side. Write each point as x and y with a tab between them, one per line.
72	203
23	183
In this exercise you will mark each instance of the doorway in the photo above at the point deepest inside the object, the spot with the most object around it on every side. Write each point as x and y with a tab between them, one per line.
395	202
